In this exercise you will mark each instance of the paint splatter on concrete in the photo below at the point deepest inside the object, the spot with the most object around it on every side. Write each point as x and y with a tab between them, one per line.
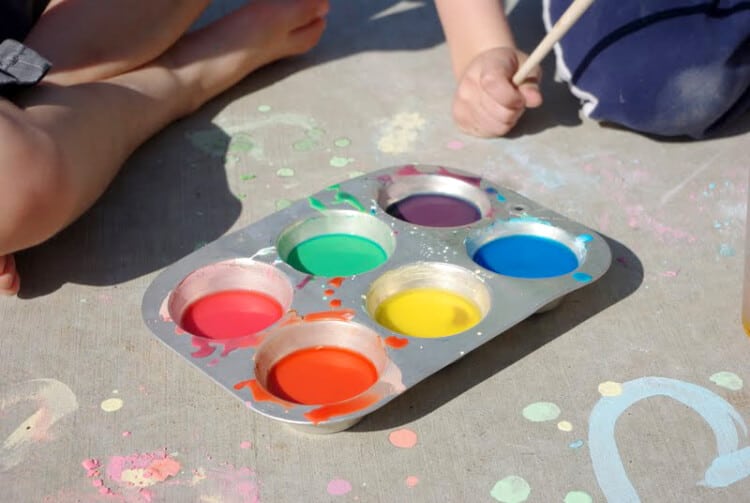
541	411
340	162
400	133
512	489
726	250
577	444
264	109
578	497
111	404
285	172
342	142
610	388
311	141
403	438
564	426
412	481
223	483
241	143
339	487
728	380
142	470
53	401
245	444
455	145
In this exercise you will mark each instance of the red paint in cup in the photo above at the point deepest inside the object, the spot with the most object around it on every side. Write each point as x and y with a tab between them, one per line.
230	314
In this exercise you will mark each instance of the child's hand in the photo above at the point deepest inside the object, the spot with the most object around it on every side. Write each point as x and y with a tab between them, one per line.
486	101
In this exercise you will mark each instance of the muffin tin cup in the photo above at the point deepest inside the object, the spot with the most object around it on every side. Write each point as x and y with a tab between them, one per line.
507	259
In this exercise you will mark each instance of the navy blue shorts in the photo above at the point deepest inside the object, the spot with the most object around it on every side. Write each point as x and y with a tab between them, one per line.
19	66
665	67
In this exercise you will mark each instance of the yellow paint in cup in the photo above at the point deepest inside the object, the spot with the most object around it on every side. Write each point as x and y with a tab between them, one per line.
427	312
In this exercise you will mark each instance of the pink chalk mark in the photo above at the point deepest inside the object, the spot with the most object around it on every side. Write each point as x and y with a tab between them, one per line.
339	487
90	464
411	481
157	466
245	444
403	438
126	433
455	145
408	170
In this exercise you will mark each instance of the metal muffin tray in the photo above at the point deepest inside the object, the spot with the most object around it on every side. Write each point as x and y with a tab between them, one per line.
323	312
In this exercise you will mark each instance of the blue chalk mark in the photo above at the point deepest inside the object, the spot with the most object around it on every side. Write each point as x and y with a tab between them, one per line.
501	197
730	465
584	238
727	469
576	445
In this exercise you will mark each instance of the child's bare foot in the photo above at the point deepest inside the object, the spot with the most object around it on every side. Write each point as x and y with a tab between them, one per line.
10	282
219	55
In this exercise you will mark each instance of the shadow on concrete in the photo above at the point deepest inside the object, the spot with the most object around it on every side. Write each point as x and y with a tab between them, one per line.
172	195
170	198
623	278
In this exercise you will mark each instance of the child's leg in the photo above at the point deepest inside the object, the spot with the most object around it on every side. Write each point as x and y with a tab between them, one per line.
89	40
62	145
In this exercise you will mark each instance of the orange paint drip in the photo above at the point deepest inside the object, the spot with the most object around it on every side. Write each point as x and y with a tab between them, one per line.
259	394
291	318
336	282
340	315
396	342
341	409
335	303
329	292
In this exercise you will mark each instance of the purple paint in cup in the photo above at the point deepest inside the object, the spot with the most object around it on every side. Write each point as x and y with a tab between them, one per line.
435	210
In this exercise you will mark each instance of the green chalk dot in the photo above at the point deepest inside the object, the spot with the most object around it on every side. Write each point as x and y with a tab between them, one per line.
728	380
340	162
355	174
241	143
315	133
264	108
578	497
285	172
246	178
304	145
541	411
511	489
342	142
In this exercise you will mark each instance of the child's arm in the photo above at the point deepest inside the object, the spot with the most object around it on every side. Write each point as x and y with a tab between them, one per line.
484	58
